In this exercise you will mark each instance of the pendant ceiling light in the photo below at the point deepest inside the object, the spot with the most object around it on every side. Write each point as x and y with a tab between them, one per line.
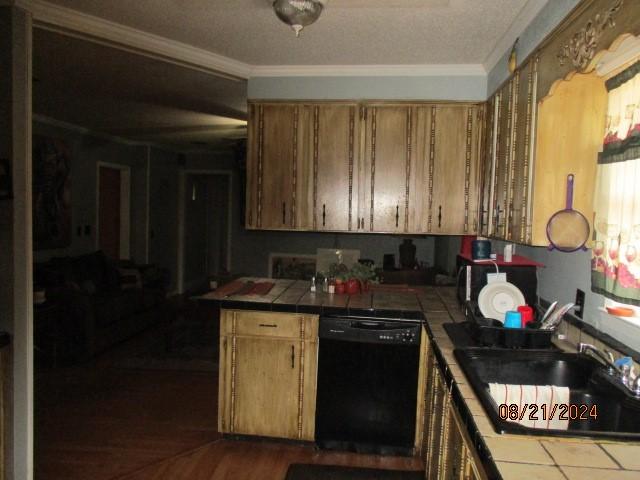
298	13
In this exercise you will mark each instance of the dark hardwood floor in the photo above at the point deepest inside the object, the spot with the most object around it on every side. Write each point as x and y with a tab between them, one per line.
100	422
244	460
97	423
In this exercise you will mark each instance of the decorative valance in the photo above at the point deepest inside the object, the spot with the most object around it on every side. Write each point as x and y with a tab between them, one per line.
615	265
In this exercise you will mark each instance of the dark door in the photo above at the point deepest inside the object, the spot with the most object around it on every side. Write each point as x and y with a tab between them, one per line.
109	212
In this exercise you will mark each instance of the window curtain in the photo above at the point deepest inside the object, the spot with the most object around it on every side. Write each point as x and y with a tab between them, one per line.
615	264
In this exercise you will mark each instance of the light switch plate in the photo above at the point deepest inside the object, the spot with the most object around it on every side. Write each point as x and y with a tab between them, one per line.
496	277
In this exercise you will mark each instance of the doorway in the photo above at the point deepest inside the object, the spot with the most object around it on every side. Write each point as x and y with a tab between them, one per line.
114	207
205	229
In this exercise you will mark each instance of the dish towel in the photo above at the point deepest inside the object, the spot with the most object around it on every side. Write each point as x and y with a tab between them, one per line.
543	405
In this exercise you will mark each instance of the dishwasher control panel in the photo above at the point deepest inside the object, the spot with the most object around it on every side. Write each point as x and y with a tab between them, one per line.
370	330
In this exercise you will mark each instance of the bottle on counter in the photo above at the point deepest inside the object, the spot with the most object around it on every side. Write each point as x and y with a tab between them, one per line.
312	287
325	285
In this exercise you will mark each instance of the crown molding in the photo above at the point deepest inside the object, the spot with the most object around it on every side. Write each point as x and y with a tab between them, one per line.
72	22
368	70
530	10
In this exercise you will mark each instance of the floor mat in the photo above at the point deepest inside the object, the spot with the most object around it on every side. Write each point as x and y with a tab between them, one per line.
299	471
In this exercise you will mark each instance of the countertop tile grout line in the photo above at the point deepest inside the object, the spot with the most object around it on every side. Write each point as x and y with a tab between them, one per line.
620	467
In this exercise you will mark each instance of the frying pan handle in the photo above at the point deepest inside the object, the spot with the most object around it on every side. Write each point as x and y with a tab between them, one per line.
570	179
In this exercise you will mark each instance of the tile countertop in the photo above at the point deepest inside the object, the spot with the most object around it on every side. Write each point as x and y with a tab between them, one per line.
294	296
511	457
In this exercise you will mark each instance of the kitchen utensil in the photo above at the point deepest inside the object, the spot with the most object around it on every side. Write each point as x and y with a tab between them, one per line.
496	299
568	230
549	311
527	314
554	320
513	319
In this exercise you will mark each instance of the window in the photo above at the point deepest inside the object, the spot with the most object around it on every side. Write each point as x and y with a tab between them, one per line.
615	270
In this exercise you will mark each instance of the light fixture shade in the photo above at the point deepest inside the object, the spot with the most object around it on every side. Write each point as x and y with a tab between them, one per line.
298	13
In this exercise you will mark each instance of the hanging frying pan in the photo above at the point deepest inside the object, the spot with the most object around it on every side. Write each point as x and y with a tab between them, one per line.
568	230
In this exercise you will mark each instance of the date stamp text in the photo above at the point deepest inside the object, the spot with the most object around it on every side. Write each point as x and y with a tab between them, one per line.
544	412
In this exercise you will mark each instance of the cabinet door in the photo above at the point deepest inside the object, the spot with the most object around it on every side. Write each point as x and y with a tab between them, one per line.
437	425
386	168
502	169
454	204
488	160
264	387
273	159
520	184
464	463
268	371
330	195
253	148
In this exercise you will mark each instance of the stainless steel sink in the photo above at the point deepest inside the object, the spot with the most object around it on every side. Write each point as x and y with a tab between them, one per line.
617	411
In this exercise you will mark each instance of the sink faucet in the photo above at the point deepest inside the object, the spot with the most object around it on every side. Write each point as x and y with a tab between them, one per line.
622	373
606	358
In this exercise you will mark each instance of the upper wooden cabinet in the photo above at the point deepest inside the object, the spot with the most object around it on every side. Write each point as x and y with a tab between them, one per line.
534	145
272	163
329	194
387	158
373	167
453	197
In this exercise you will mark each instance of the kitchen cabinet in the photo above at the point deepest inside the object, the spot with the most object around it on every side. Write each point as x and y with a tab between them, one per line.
537	142
275	135
448	448
268	368
460	460
364	167
386	164
525	107
446	168
327	192
485	215
502	158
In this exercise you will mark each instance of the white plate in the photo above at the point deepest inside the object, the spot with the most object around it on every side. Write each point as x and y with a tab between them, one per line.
497	298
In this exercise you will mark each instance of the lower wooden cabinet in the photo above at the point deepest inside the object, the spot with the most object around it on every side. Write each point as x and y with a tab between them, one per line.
449	451
268	364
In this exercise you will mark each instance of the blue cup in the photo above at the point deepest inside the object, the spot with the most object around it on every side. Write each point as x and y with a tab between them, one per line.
512	319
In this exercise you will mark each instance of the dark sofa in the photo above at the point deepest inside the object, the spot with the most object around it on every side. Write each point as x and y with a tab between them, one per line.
102	301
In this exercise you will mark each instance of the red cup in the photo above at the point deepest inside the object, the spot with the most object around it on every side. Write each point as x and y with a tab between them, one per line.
527	314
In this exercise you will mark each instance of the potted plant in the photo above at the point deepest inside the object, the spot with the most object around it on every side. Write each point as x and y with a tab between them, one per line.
362	275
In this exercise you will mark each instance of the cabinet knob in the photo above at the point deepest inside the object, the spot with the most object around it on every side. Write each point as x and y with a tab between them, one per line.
324	214
284	213
293	356
397	214
439	216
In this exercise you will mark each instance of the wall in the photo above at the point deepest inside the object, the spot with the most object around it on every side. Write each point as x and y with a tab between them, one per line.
163	212
86	151
154	189
548	18
436	87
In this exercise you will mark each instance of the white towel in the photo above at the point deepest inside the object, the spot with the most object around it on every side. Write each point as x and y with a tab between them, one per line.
542	404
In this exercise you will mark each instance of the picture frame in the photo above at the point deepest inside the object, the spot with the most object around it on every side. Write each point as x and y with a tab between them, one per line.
6	184
292	266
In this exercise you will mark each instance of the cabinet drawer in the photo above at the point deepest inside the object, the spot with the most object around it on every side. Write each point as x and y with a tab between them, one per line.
269	324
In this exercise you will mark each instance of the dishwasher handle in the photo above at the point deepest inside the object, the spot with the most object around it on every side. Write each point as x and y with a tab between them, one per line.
365	325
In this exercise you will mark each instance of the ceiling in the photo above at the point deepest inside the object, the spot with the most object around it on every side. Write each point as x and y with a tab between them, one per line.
82	79
349	32
118	93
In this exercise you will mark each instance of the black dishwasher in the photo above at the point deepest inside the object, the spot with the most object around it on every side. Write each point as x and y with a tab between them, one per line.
367	384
